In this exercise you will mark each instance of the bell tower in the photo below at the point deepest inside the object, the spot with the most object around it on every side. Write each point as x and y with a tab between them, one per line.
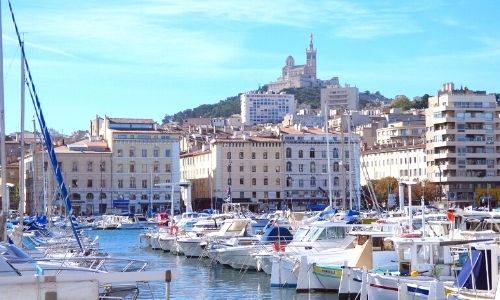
311	59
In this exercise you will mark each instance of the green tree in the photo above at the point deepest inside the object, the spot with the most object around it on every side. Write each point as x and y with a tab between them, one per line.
421	102
401	101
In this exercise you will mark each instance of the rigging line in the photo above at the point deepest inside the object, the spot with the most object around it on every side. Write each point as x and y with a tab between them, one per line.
14	58
48	141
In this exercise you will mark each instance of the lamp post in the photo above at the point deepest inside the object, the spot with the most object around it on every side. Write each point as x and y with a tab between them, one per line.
229	192
441	186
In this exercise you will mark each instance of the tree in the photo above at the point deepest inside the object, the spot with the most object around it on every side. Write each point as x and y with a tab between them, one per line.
429	190
421	102
382	187
401	101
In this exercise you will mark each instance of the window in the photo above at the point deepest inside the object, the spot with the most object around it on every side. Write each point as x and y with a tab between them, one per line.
324	168
144	152
254	169
335	153
229	168
132	183
167	152
278	169
347	154
266	181
156	167
301	154
312	167
288	152
74	166
254	194
119	153
277	155
167	168
289	166
253	155
90	196
228	155
242	195
241	168
156	196
301	182
120	183
264	155
74	183
336	181
156	181
156	152
313	181
242	181
301	167
265	168
131	152
254	181
132	167
278	182
89	166
242	155
102	166
323	154
289	181
89	183
144	184
312	153
144	197
229	181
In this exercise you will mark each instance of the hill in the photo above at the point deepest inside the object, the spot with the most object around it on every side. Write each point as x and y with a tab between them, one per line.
231	105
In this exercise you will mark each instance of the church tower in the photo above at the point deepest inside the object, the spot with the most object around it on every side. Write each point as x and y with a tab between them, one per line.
311	60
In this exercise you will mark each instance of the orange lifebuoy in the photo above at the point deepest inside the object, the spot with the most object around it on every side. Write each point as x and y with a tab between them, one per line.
279	247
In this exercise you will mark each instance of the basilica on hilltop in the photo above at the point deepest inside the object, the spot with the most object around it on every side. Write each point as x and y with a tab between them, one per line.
297	76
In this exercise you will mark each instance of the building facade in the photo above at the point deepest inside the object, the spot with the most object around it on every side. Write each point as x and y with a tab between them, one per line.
257	108
462	146
336	97
308	179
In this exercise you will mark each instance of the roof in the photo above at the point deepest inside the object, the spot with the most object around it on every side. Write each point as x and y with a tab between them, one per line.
131	121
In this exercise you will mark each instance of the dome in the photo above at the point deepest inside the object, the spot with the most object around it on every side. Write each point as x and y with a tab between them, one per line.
290	61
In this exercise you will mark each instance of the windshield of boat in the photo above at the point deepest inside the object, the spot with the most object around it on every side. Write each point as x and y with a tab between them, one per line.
301	232
325	233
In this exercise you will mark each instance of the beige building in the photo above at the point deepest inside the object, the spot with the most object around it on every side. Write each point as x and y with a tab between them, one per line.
405	162
401	132
85	167
243	169
462	147
336	97
126	166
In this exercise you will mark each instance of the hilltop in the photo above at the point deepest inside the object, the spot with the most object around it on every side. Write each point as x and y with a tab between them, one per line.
231	105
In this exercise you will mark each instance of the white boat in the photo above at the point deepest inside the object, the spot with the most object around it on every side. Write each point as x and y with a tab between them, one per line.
191	245
108	222
319	236
136	221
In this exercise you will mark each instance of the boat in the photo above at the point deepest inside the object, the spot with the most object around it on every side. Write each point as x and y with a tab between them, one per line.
135	221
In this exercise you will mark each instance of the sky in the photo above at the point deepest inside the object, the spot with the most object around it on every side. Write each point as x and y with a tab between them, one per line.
148	58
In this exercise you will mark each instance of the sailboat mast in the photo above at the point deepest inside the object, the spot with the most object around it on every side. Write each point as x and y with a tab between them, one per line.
22	198
3	160
328	154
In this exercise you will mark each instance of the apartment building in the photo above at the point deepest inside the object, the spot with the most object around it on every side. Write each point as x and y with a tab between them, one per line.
403	161
245	168
144	165
335	97
401	132
127	165
461	144
260	108
308	179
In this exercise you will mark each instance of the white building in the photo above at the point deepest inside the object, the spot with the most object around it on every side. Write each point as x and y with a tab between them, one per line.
337	97
266	108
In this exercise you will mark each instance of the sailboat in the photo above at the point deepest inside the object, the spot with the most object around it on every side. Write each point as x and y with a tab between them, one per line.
23	276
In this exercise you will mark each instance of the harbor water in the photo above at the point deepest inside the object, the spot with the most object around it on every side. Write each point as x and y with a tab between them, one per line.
194	278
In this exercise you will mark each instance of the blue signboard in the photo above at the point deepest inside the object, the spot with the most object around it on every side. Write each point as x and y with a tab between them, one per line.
120	203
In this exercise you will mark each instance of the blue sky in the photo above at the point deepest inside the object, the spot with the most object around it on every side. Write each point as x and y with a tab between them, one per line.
148	58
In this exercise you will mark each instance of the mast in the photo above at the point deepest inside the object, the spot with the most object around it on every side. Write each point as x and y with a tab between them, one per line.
22	198
328	154
3	161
